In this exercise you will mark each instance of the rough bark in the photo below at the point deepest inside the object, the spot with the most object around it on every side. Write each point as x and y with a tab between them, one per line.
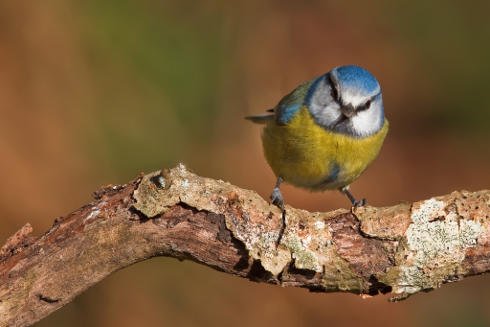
401	249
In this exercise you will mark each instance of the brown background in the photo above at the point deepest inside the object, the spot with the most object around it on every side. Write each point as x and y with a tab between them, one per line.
93	92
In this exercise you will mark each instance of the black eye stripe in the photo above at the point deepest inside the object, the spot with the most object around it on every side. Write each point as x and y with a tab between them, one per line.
334	92
364	106
333	88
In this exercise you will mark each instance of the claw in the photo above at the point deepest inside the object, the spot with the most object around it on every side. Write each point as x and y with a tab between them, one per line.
276	196
277	199
359	203
355	203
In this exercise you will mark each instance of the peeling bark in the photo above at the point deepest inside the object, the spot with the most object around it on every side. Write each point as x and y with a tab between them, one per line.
402	249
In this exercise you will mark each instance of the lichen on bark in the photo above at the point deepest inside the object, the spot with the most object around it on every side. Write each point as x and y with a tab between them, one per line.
435	246
305	242
404	248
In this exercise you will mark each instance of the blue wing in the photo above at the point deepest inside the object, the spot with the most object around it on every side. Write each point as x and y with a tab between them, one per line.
286	108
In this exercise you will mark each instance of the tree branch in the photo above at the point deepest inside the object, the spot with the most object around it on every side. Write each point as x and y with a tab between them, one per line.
402	249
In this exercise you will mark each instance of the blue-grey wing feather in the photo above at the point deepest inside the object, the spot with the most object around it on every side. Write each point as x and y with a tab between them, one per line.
290	104
286	108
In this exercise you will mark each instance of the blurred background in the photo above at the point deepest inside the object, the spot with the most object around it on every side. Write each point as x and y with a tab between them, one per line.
94	92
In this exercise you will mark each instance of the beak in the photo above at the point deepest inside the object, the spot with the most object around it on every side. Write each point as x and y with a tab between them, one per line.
348	110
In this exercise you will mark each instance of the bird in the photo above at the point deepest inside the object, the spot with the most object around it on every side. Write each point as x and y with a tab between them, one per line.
325	133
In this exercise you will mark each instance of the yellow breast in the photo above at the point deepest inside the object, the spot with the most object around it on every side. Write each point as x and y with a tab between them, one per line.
307	155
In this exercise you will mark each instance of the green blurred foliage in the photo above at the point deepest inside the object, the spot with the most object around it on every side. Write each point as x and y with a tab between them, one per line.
159	69
452	40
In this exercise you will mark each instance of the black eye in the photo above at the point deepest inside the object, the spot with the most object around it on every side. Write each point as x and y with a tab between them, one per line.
365	106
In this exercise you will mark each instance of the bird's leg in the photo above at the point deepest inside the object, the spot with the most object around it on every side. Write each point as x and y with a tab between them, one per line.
276	196
278	200
355	203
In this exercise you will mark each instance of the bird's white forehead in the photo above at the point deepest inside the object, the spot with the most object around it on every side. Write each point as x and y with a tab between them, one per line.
353	97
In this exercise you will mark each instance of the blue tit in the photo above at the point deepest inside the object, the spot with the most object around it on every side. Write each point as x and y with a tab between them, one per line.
326	132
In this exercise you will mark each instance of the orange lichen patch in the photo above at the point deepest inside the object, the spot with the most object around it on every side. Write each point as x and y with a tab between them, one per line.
384	223
16	242
474	206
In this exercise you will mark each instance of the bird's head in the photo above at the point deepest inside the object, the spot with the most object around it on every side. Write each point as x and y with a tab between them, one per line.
347	100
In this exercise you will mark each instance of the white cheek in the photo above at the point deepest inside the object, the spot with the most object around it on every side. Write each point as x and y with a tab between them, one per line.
367	122
326	115
323	107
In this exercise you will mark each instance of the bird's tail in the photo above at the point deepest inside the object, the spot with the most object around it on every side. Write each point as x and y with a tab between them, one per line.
261	119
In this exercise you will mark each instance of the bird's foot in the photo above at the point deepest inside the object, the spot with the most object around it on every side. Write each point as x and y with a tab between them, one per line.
277	198
352	199
359	203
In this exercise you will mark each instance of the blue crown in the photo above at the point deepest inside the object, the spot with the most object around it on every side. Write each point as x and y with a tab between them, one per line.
357	78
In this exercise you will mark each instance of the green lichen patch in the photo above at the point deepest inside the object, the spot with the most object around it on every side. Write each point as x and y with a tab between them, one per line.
338	275
309	239
434	248
304	258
